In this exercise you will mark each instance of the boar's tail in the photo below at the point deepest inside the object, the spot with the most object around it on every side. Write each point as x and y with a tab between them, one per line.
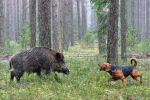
10	67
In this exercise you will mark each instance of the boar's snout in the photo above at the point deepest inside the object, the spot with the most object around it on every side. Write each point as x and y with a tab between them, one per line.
66	71
63	70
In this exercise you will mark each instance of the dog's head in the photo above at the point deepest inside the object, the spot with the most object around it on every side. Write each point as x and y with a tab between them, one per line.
105	66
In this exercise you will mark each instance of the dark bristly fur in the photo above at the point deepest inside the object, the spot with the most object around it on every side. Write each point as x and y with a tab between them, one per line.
121	72
35	60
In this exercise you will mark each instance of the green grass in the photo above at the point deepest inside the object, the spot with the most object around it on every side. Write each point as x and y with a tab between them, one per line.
85	82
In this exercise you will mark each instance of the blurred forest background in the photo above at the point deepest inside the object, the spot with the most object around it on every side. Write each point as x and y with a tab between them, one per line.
115	27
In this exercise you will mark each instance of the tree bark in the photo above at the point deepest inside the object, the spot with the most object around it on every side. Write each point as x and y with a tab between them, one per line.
32	6
138	19
71	23
132	13
79	20
2	43
144	19
44	19
123	29
8	20
55	24
112	44
147	19
61	25
66	24
17	20
84	18
23	21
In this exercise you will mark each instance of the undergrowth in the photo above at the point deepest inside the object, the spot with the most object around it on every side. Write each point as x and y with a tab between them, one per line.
85	82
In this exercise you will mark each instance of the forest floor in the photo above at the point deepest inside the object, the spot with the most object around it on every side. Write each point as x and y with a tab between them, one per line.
85	81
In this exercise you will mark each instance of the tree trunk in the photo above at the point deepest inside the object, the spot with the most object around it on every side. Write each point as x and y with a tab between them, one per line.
24	13
79	20
84	19
147	19
66	24
32	6
112	44
7	22
71	23
23	22
55	24
123	30
132	13
44	19
61	25
2	43
18	20
138	19
144	19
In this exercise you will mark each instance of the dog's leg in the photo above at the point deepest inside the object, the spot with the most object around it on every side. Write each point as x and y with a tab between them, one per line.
141	78
123	81
135	74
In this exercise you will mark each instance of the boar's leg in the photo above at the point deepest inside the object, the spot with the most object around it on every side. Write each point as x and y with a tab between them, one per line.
38	71
19	75
12	75
48	71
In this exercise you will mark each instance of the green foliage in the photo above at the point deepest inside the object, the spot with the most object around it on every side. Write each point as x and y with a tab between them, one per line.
143	47
133	46
131	38
98	6
89	40
13	46
24	39
10	47
103	25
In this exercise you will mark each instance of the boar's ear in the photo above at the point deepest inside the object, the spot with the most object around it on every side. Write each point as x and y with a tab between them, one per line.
58	56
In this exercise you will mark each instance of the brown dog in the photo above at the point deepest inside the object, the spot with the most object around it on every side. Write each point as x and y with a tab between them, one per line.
121	72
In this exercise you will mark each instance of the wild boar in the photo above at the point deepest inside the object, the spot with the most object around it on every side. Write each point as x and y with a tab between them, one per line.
35	60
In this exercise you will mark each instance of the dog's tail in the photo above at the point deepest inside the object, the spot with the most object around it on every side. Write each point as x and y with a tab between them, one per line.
135	61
